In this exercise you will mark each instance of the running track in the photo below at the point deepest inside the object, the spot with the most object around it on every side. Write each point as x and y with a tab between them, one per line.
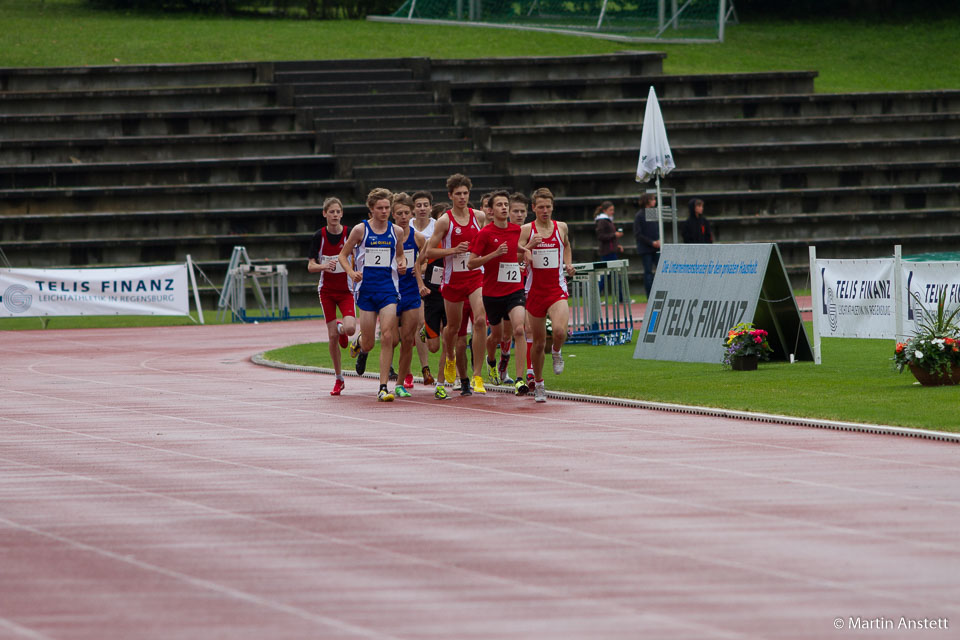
156	484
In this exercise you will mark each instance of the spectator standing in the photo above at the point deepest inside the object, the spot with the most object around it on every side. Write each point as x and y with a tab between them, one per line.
608	236
647	234
696	228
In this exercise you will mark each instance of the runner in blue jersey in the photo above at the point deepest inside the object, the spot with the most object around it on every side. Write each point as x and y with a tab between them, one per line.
411	289
378	265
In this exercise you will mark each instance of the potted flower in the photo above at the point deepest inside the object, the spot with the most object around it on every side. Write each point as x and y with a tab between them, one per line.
744	346
933	353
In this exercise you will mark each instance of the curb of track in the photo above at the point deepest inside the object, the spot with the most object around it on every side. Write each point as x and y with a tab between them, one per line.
817	423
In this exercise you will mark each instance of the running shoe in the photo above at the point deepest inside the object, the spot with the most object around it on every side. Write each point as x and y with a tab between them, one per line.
450	370
522	389
401	392
355	346
393	374
539	393
478	385
440	393
427	377
502	368
465	388
384	396
337	387
408	381
342	338
557	363
493	373
531	383
361	362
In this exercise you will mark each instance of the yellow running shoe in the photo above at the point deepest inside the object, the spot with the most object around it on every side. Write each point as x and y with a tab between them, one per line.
450	370
384	396
478	385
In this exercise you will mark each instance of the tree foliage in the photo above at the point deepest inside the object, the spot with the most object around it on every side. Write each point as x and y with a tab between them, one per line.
312	9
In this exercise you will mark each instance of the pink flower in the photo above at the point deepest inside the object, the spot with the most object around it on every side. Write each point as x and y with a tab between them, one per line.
758	339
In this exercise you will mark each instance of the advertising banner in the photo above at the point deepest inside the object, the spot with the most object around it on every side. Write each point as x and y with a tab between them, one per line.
160	290
702	290
924	282
856	298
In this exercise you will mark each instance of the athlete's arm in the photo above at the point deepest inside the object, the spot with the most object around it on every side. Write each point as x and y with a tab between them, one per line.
399	256
356	235
421	241
433	250
567	249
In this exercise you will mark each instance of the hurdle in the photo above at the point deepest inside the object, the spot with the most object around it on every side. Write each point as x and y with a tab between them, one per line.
600	318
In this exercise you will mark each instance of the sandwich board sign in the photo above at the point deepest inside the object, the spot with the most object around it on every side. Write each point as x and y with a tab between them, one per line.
702	290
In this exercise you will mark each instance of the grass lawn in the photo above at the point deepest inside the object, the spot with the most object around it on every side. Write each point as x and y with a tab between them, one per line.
850	56
856	383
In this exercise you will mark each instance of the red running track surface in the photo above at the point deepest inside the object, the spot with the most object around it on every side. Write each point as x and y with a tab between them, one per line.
156	484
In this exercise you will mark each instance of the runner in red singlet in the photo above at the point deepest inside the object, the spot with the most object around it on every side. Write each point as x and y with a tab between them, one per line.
548	257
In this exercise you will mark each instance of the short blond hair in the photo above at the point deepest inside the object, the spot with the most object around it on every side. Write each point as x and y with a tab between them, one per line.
541	194
378	194
401	198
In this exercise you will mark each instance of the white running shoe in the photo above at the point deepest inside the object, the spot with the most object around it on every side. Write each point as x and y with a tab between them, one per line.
557	362
540	393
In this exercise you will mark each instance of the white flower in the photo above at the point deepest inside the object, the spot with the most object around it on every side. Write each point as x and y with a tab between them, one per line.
918	354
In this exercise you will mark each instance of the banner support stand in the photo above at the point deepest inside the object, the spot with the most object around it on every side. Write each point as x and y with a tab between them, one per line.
816	301
898	292
196	293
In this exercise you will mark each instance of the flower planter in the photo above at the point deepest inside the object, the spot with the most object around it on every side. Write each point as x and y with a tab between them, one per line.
928	379
744	363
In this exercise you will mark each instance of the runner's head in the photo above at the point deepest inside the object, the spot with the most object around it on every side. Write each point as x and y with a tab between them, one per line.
333	211
518	208
458	188
542	204
499	203
422	204
402	207
378	202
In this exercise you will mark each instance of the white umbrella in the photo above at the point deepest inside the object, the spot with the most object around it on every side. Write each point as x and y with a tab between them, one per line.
656	159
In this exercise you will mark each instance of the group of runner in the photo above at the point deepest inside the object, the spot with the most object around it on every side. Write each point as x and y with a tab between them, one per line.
426	272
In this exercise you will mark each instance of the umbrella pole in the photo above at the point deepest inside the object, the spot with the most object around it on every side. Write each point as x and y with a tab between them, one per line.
660	211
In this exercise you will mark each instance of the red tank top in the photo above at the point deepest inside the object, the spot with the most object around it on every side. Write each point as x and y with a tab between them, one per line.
545	277
332	281
455	270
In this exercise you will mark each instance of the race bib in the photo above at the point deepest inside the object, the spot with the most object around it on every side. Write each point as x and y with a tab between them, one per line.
546	259
436	275
509	272
460	261
376	257
335	262
408	254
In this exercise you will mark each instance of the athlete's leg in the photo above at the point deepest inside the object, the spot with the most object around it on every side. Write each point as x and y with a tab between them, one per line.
408	331
517	317
479	330
559	314
538	329
388	333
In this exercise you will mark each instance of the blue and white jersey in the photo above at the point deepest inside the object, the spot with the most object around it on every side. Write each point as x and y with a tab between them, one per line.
376	260
408	280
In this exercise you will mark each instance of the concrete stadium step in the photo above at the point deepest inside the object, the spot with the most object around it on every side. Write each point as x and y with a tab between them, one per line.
366	148
785	153
438	184
332	76
379	123
534	67
21	79
369	173
146	123
604	87
379	110
186	196
314	93
124	224
722	108
138	100
780	201
817	176
148	148
384	136
167	172
738	131
366	99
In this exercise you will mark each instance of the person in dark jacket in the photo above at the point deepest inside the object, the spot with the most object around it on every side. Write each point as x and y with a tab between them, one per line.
647	234
608	236
696	228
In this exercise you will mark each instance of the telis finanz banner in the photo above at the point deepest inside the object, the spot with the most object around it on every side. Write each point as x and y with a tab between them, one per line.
160	291
927	281
856	298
